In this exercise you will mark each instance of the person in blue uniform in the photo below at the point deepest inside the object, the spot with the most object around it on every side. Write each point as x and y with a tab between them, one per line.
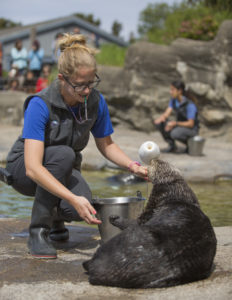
186	124
45	161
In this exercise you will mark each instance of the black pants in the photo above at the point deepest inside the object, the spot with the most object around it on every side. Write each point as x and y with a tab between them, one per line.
59	161
181	134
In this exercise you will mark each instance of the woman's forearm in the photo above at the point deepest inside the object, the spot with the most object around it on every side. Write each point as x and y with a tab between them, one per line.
113	152
188	124
46	180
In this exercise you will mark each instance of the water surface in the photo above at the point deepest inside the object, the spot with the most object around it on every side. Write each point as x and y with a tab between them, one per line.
215	199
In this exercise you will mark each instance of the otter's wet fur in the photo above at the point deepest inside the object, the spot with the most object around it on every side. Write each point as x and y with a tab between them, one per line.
171	243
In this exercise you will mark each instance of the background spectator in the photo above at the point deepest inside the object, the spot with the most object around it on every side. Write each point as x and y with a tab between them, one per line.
29	82
13	73
1	54
35	58
76	30
19	57
43	81
55	51
14	85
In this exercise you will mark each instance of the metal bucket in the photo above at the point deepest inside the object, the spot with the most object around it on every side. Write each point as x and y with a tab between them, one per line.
195	145
126	207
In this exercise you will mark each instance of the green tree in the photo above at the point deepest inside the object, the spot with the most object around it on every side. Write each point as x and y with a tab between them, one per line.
116	28
193	19
5	23
218	4
153	17
88	18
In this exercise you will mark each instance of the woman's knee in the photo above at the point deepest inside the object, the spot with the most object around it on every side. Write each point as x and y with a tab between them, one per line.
175	134
79	186
62	157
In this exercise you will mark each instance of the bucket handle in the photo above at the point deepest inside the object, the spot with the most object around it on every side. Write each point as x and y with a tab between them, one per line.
139	194
5	176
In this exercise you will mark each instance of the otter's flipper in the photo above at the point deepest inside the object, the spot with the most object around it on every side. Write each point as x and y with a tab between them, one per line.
119	222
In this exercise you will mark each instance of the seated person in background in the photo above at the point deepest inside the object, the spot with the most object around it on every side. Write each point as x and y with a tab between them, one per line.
14	80
43	81
14	85
15	74
186	124
29	82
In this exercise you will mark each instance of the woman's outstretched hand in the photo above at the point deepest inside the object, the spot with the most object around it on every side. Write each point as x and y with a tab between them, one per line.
159	120
86	210
170	125
141	171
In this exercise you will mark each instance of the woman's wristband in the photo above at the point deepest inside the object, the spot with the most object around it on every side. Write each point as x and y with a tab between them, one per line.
133	163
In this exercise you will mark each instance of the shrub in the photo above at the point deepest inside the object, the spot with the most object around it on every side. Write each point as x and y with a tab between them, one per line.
112	55
198	22
203	29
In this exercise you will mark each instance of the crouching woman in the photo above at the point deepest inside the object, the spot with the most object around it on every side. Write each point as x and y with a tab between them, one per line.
45	161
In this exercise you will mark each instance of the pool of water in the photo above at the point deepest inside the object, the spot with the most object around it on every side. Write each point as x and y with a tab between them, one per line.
215	199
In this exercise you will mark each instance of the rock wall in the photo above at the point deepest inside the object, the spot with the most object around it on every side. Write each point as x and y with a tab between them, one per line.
139	92
11	107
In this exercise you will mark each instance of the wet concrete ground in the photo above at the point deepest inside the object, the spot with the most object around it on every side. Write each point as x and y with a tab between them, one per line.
15	260
23	277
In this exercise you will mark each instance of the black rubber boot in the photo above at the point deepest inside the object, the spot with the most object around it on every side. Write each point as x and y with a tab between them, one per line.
171	148
39	243
59	232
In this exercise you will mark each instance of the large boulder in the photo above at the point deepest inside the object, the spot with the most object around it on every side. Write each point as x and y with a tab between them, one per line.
139	92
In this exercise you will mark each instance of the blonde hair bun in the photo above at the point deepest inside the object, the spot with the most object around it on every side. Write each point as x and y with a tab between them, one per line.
75	53
71	41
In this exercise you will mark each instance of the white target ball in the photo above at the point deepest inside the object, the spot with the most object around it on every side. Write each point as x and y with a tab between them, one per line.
148	151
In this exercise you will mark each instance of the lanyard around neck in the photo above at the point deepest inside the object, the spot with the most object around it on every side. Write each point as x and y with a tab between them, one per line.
79	112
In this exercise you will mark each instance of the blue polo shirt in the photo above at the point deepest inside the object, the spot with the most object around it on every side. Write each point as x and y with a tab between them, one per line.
191	108
36	117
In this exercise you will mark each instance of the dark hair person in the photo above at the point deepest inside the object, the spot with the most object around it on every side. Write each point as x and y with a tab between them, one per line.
45	161
186	124
35	57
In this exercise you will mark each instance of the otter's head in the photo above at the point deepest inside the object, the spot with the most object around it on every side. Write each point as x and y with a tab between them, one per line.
161	172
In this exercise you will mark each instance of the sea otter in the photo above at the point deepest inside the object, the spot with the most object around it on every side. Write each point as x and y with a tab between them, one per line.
172	242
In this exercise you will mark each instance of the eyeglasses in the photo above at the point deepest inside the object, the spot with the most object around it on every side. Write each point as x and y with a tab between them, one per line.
80	87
